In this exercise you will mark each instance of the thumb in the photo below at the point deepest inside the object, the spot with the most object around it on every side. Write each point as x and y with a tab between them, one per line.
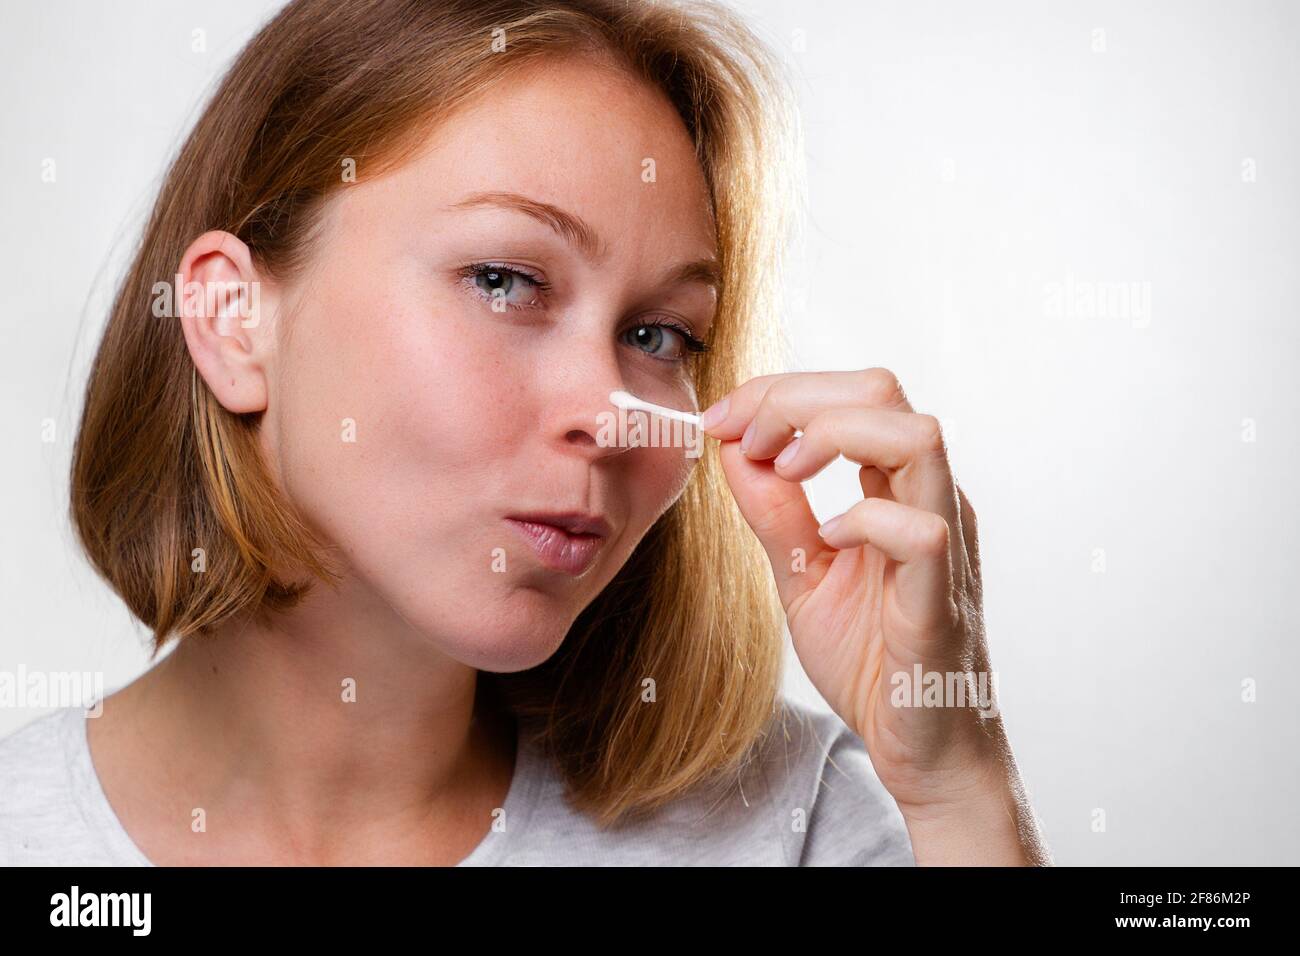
778	512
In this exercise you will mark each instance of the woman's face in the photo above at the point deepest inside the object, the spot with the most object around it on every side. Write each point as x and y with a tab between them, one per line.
467	412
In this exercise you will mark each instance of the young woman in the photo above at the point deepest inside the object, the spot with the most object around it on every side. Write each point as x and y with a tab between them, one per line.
420	611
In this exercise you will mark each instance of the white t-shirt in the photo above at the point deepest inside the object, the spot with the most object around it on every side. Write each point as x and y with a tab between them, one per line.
810	798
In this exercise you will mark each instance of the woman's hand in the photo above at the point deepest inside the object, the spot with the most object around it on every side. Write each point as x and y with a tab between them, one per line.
888	590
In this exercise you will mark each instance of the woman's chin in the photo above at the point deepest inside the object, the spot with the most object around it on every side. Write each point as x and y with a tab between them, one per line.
504	639
507	654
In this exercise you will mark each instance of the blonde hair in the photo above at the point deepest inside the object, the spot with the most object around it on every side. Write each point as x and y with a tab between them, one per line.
159	464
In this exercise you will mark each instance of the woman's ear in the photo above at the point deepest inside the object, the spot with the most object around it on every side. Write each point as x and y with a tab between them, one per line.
222	304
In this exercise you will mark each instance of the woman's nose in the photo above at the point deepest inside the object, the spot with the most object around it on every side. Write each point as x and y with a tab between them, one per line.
584	418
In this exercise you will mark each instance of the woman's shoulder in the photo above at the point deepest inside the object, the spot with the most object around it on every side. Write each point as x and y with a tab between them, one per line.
32	755
805	796
835	806
33	782
42	816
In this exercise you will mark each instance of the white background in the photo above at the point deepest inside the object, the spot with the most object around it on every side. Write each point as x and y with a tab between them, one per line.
964	161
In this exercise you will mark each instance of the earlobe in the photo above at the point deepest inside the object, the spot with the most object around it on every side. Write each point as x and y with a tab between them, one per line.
222	301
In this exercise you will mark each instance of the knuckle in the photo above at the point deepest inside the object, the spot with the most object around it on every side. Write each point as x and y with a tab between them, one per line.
818	429
776	397
830	424
867	506
931	432
834	427
863	514
882	387
937	537
957	618
751	392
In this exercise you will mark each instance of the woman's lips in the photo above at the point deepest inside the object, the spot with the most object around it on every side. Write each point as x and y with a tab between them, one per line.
558	549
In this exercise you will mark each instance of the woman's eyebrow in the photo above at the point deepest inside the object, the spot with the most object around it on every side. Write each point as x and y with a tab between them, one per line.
572	228
576	231
705	271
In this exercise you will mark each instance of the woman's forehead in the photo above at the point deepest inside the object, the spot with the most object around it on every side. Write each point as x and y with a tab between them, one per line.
610	149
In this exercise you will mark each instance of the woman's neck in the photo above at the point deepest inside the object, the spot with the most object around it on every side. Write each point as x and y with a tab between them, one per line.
316	744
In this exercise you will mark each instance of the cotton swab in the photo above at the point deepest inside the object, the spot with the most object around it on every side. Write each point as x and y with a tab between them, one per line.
627	400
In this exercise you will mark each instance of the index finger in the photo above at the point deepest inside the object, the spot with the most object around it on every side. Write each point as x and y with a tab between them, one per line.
809	392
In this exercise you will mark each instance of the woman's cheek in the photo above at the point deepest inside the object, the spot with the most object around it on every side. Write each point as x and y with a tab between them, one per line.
667	474
337	419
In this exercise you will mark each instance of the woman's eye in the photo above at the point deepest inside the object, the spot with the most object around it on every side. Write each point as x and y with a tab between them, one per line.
651	339
511	288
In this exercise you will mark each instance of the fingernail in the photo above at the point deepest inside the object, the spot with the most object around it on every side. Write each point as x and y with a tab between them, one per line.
748	437
829	526
715	414
788	454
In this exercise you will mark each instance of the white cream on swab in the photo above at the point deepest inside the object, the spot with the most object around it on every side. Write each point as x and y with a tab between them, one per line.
627	400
